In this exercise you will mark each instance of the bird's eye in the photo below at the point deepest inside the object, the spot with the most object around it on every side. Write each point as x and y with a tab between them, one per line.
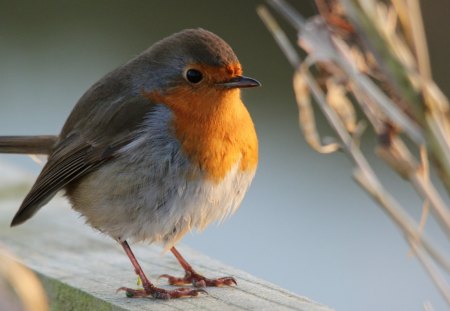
194	76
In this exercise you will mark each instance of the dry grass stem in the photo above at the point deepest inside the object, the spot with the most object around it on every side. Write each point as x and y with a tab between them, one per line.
373	54
429	266
24	283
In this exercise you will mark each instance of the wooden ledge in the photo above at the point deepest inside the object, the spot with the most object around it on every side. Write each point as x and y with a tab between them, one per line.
81	269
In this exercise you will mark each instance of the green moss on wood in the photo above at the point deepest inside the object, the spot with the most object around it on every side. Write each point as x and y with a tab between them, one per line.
63	297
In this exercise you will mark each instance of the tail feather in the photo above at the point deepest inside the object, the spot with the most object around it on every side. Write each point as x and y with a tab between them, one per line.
27	144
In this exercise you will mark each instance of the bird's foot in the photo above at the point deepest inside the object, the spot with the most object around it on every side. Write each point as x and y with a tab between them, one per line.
197	280
160	293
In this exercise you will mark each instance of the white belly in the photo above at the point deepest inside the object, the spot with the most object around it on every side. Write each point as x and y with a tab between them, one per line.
132	207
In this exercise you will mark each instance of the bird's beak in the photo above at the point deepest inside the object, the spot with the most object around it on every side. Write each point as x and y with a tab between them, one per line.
239	82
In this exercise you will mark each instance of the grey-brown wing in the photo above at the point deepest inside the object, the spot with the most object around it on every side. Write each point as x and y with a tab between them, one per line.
84	150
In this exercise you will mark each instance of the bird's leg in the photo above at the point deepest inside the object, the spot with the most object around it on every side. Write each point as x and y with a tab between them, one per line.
149	288
192	277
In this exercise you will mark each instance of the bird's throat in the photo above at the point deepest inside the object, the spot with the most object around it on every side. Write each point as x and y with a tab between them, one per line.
215	130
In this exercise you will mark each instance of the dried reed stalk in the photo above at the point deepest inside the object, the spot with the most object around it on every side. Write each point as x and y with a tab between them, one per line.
373	54
26	286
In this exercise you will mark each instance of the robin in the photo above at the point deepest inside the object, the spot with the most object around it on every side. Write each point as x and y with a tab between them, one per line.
157	147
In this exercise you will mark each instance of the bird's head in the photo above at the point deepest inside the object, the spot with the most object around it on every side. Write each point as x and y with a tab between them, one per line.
192	69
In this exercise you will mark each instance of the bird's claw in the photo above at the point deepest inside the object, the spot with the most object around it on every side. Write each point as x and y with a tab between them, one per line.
198	280
160	293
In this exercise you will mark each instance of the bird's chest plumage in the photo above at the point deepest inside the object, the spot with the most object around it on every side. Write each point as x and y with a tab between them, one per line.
163	185
214	129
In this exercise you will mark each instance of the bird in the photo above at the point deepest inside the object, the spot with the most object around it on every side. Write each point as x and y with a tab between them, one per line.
158	147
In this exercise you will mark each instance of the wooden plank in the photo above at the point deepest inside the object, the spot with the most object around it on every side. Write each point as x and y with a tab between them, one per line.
81	269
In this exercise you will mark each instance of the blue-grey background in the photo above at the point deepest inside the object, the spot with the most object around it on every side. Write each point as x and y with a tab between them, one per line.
304	225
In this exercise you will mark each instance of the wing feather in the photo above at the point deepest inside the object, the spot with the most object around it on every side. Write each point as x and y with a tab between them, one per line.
85	149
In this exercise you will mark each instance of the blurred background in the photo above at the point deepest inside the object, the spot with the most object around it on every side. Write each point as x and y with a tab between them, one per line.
304	225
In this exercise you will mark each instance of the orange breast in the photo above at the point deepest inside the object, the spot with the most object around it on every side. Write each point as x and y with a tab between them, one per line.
214	128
